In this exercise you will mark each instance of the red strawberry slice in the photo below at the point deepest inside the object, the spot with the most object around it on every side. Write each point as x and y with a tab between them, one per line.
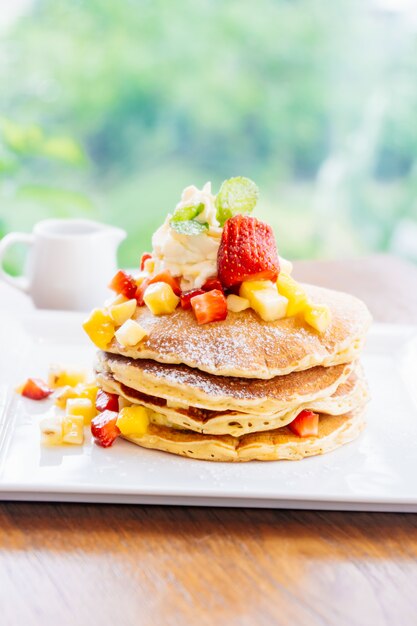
306	424
36	389
212	283
144	258
247	252
104	428
162	277
107	401
124	284
209	307
187	295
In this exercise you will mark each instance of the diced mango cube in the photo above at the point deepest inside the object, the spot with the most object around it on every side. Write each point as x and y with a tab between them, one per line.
73	429
89	390
297	297
100	328
264	299
51	431
133	421
81	407
160	298
122	312
318	316
61	377
237	303
130	333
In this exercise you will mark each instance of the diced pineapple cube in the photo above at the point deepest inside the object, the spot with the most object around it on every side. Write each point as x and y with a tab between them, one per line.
80	391
100	328
160	298
264	299
51	431
130	333
62	377
318	316
149	266
120	313
115	300
139	278
297	297
237	303
249	287
82	407
73	429
285	265
133	421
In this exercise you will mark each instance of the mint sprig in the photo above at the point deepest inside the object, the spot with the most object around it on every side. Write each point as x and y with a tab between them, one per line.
189	227
236	195
186	213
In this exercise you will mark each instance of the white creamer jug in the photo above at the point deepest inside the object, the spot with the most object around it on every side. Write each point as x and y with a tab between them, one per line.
70	263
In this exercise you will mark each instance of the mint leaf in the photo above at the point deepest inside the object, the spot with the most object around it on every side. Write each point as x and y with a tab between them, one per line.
236	195
189	227
187	212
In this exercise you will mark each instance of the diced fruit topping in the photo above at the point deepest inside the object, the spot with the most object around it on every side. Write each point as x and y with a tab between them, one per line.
247	252
306	424
35	389
123	283
133	421
236	195
160	298
212	283
145	257
61	377
265	300
80	391
236	304
297	297
100	328
318	316
120	313
131	332
73	429
82	407
104	428
162	277
209	307
107	401
187	295
51	431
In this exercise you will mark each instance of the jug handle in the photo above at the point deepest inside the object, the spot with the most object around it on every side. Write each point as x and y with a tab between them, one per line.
20	282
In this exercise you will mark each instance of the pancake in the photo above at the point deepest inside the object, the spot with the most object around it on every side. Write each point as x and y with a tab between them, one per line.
183	385
279	444
245	346
349	395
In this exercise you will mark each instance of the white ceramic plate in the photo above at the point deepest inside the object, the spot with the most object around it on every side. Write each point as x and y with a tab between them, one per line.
376	472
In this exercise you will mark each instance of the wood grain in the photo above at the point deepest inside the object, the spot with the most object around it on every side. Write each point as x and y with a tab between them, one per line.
98	564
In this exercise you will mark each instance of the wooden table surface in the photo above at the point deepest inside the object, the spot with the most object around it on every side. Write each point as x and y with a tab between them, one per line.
119	565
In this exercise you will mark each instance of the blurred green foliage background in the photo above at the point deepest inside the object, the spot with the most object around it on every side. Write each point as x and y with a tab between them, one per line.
110	107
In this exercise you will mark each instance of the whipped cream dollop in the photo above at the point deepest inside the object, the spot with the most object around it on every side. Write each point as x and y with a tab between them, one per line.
192	257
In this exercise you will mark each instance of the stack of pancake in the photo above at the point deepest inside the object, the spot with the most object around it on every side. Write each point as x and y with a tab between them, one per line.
226	391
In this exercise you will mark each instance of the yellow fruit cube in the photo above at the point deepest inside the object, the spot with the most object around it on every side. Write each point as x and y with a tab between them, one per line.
51	431
122	312
161	299
318	316
264	299
297	297
133	421
249	287
61	377
285	265
80	391
236	303
130	333
100	328
114	301
73	429
81	407
149	266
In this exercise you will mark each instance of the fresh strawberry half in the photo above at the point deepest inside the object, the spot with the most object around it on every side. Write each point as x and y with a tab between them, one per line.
36	389
107	401
306	424
247	252
210	306
145	257
212	283
124	284
104	428
187	295
162	277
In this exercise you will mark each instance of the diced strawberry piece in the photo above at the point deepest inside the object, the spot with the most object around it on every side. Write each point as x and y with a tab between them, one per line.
247	252
306	424
36	389
124	284
104	428
209	307
212	283
107	401
187	295
162	277
145	257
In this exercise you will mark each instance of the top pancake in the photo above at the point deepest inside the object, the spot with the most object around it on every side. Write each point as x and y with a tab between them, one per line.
245	346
